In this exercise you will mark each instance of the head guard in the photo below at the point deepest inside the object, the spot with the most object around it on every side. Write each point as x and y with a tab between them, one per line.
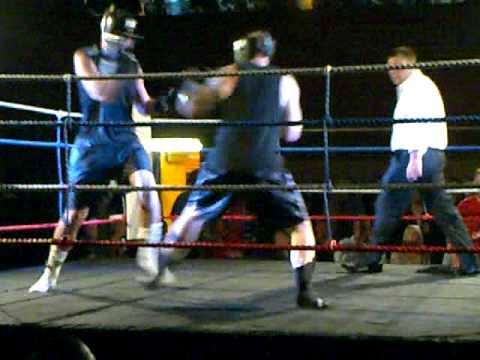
118	24
246	48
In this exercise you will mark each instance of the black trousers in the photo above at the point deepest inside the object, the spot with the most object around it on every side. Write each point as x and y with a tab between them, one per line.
391	204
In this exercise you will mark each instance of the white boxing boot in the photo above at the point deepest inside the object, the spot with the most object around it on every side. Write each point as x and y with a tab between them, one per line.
48	280
167	277
152	261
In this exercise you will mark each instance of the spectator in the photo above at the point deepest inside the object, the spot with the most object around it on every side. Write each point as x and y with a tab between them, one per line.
469	209
412	236
362	231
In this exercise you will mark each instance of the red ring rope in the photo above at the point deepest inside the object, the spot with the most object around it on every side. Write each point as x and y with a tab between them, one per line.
250	246
232	217
31	227
238	217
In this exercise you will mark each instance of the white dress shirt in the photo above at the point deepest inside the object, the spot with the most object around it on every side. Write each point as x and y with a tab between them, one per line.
419	97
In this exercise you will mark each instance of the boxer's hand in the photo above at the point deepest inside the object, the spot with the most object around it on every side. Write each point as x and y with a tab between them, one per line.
414	167
332	244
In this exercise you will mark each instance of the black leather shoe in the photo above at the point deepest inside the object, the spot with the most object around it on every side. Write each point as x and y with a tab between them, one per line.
464	272
350	268
448	270
439	269
370	269
375	268
306	300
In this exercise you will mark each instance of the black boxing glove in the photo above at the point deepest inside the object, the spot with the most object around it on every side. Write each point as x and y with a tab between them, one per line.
195	100
190	99
165	104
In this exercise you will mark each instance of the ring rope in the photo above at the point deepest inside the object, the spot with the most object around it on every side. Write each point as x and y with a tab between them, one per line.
319	70
34	143
282	150
342	129
238	217
45	226
336	123
425	217
358	149
232	217
381	121
245	246
37	109
439	64
359	189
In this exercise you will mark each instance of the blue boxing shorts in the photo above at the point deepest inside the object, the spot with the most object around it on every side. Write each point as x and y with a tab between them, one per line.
100	163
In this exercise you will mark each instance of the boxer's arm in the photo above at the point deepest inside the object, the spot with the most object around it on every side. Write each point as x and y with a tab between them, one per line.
290	103
196	100
99	90
225	85
144	104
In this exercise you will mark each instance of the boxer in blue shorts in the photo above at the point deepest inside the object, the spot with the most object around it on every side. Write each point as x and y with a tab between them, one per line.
103	153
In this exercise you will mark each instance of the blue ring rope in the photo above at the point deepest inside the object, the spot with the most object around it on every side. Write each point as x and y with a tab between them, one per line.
283	150
32	143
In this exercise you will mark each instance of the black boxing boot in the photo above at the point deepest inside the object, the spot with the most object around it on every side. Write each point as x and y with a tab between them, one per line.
303	280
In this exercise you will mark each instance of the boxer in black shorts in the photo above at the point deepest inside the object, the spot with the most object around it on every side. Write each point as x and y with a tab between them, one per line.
101	153
249	154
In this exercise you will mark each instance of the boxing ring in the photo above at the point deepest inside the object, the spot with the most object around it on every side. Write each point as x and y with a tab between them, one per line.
219	307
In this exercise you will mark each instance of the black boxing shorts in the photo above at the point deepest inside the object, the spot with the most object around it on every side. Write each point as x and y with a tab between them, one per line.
275	208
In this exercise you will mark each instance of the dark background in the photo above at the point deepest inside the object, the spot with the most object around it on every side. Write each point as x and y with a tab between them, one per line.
40	37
